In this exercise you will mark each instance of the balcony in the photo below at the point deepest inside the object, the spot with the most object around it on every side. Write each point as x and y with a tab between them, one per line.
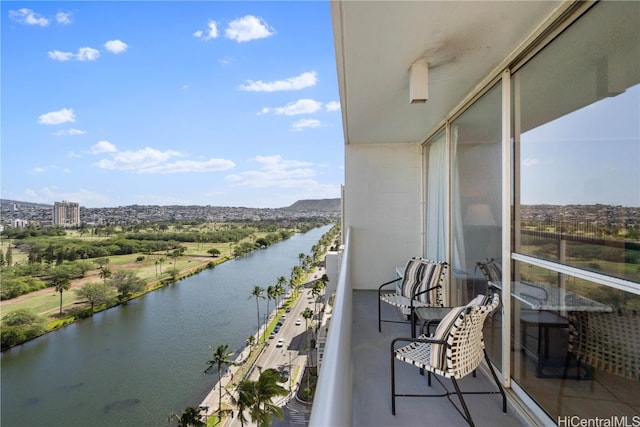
354	384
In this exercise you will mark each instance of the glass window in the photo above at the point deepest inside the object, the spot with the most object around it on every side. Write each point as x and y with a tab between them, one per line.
476	203
576	109
579	129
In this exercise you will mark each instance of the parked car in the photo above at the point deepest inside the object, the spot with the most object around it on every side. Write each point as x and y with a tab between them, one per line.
272	336
298	322
280	343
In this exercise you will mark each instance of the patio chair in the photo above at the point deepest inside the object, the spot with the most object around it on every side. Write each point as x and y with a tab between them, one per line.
421	287
609	341
453	351
541	320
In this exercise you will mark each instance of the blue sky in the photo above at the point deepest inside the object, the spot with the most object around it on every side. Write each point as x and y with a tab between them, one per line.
204	103
589	156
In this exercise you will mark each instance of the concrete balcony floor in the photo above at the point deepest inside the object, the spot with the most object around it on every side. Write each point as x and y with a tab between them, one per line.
372	380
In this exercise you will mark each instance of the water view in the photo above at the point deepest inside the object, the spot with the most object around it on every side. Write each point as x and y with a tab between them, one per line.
134	364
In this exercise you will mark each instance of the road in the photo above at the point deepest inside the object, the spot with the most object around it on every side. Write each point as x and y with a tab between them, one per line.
292	354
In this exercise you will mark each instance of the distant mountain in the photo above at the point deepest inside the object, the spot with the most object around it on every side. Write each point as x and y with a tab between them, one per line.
6	203
317	205
310	205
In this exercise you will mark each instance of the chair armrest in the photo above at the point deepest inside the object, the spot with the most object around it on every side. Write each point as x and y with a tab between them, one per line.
430	323
416	340
387	283
423	292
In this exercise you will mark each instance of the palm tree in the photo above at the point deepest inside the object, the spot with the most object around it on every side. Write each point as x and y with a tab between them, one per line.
221	356
272	294
258	292
251	340
281	283
105	272
256	397
269	294
316	290
307	314
189	418
61	282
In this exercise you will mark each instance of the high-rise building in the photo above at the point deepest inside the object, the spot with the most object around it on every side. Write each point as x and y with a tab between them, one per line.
66	214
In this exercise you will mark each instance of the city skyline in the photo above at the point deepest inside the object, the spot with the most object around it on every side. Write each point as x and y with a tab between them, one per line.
170	103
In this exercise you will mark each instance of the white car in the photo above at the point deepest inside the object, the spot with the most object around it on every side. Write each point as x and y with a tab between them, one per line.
298	322
280	343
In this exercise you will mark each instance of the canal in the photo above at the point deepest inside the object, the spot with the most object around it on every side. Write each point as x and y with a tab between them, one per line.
135	364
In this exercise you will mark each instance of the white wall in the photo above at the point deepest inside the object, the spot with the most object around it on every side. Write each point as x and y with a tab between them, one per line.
382	207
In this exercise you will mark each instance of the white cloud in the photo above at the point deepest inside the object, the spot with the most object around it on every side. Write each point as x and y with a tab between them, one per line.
184	87
28	17
70	131
38	170
84	54
211	33
275	172
103	147
302	81
63	18
332	106
301	106
248	28
57	55
116	46
137	160
226	60
530	162
305	123
57	117
87	54
211	165
151	161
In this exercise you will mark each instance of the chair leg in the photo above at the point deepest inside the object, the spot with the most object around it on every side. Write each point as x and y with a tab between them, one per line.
495	378
412	317
462	402
393	382
379	323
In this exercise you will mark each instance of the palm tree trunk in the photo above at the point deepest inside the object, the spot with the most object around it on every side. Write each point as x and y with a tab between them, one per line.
220	393
258	311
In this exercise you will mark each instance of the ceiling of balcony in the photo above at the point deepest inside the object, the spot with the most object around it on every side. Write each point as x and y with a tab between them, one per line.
377	41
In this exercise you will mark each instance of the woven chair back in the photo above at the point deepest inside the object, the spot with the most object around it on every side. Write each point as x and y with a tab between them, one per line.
608	341
462	330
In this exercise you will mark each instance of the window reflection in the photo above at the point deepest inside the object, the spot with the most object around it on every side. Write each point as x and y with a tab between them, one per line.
576	344
576	118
